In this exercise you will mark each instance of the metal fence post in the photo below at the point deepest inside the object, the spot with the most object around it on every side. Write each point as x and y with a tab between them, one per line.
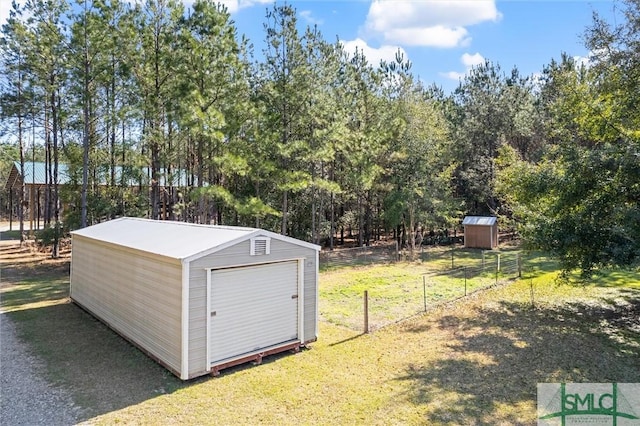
452	250
533	305
519	261
465	280
424	292
366	312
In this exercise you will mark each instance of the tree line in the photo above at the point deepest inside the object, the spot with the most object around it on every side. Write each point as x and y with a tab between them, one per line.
164	112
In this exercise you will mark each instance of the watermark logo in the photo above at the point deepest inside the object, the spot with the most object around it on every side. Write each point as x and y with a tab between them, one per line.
616	404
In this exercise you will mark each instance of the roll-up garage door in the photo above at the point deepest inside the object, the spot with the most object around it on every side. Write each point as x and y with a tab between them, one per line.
252	308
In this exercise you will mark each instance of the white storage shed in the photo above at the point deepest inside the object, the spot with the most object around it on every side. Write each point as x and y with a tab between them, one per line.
197	298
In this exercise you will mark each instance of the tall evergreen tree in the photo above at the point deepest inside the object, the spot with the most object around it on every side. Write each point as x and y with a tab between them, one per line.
155	69
417	171
50	77
480	128
283	93
213	80
14	100
366	140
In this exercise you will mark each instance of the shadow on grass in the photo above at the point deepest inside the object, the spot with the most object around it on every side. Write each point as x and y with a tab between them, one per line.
536	263
25	285
618	278
348	339
500	353
30	269
102	371
28	293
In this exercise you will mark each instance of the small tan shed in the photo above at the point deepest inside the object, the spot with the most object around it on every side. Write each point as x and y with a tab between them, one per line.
480	232
197	298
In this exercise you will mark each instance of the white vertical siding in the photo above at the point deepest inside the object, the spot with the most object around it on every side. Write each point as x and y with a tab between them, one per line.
184	369
137	294
197	321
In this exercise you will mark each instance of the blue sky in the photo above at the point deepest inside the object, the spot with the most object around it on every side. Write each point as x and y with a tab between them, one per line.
442	38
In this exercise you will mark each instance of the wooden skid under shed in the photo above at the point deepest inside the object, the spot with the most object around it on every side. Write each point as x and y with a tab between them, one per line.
255	357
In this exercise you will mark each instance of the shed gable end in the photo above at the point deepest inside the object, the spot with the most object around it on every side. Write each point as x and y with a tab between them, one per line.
260	246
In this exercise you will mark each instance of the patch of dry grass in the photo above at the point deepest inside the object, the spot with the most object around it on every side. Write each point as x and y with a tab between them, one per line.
476	361
397	291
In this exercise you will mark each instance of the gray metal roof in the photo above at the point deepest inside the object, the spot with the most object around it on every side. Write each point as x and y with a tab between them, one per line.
178	177
480	220
36	173
178	240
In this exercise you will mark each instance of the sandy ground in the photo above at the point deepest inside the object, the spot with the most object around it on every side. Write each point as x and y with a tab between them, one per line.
26	398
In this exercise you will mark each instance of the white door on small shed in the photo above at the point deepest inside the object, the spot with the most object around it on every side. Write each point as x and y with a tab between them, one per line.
252	308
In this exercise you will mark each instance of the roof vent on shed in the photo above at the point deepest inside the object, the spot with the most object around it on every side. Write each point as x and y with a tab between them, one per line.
260	246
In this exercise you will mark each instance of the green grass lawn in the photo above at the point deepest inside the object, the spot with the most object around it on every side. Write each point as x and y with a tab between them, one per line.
476	361
400	290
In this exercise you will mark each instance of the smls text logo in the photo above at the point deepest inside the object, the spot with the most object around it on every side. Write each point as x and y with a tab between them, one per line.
591	404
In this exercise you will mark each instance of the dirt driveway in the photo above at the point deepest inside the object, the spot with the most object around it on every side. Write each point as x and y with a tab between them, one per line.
26	398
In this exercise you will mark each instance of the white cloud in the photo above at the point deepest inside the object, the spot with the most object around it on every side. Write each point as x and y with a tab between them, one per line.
537	81
591	58
437	36
469	61
373	55
306	15
454	75
581	61
436	23
248	3
472	60
186	3
5	8
233	5
385	14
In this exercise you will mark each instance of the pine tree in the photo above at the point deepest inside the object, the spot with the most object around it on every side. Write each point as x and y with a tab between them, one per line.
14	102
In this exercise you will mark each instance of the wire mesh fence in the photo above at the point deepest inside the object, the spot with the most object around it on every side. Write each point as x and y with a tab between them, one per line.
359	255
394	297
469	278
454	255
